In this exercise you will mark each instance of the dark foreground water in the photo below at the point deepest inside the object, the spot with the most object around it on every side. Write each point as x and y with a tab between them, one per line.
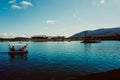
59	60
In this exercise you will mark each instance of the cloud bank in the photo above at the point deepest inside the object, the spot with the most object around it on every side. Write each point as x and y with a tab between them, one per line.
26	4
51	21
12	35
12	1
16	7
102	1
7	35
20	5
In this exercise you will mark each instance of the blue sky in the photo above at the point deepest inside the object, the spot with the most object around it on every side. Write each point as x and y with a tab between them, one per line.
56	17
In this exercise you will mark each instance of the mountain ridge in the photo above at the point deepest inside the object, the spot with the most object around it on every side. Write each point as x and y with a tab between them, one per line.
103	32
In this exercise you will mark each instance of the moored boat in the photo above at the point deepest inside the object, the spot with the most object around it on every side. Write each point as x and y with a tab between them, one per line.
91	41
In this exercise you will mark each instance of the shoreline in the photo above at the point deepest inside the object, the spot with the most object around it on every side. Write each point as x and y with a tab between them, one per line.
51	40
109	75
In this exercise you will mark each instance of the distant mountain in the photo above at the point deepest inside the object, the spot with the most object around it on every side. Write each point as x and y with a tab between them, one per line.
106	32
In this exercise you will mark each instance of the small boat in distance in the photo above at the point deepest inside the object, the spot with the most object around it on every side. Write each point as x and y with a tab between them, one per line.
91	41
18	48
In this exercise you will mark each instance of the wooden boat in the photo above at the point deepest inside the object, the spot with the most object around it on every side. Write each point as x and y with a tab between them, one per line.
18	48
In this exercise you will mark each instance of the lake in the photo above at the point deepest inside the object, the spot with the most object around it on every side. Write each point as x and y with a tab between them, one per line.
59	60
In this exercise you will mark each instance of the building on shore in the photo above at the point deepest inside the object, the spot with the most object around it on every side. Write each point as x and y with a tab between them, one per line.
39	37
60	38
47	38
21	39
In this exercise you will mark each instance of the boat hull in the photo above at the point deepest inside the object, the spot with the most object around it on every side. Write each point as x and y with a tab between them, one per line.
18	52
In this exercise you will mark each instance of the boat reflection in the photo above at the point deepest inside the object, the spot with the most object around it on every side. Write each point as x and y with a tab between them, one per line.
18	57
87	50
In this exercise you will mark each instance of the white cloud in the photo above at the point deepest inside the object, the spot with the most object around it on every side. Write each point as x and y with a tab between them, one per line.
15	7
12	35
23	35
15	4
102	1
76	17
79	19
25	4
51	21
7	35
12	1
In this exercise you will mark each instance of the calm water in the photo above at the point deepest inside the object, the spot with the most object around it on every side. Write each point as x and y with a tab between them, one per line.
59	60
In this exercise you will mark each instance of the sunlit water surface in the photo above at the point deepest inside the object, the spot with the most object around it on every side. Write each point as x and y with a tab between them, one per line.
59	60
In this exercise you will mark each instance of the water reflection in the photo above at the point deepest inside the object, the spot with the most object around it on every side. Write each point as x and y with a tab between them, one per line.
18	57
3	53
52	59
87	48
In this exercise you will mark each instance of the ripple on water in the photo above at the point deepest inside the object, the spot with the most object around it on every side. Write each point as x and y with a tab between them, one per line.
61	59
